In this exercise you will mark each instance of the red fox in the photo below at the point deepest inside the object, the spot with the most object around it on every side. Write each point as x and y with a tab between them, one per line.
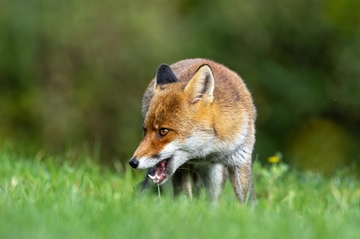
199	127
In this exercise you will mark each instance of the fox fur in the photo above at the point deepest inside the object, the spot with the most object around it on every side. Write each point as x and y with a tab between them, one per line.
199	128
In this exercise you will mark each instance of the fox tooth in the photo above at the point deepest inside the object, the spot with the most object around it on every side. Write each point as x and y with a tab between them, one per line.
152	177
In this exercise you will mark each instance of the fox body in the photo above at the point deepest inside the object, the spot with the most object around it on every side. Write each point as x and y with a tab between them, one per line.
199	127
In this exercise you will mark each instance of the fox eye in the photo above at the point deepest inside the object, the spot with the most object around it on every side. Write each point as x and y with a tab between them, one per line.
163	131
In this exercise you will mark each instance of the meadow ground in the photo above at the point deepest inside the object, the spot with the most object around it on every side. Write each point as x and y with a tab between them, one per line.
59	197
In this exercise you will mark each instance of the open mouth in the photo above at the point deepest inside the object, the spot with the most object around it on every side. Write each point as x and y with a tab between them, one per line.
160	172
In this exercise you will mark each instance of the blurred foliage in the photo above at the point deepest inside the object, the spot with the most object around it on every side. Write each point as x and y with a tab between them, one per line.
73	72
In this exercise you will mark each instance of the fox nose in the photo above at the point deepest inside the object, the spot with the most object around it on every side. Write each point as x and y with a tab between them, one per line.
134	163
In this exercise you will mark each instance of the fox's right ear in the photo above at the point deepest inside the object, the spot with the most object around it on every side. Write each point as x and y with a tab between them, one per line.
164	75
201	85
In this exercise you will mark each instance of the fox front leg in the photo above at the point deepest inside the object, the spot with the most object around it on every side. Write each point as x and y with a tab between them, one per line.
242	183
182	183
213	176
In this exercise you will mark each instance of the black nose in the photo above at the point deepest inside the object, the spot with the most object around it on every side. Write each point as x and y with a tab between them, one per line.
134	163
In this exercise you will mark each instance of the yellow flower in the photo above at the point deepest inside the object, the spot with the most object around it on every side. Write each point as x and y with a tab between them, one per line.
274	159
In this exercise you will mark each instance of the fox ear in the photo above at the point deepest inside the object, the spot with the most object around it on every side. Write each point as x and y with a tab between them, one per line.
201	85
165	75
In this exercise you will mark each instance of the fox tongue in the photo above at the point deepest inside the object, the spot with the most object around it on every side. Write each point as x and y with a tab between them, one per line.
159	172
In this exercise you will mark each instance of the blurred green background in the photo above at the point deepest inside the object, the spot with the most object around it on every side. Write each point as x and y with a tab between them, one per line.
72	73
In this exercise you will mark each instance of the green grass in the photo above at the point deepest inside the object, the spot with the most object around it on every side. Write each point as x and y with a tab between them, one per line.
57	197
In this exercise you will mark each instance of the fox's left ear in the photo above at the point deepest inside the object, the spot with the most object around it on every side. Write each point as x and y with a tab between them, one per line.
201	86
164	75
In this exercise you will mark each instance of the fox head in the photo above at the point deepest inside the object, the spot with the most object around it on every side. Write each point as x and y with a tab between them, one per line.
178	124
